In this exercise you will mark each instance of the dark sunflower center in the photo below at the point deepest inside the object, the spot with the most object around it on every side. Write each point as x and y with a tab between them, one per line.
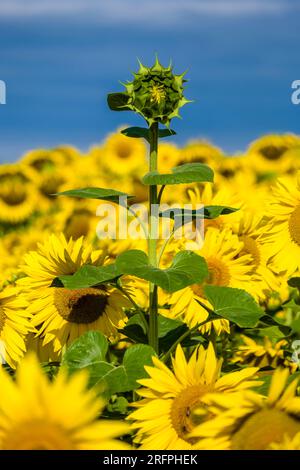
80	305
78	224
182	416
13	195
124	151
43	164
272	152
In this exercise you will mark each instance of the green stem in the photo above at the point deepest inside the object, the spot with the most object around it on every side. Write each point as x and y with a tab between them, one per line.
152	241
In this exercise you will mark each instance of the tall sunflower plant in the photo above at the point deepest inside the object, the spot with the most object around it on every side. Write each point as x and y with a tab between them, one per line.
156	94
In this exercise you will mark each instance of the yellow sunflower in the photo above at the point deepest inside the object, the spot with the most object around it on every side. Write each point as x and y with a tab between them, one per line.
36	414
200	152
282	237
163	418
122	155
228	266
18	195
270	153
168	157
212	195
250	229
60	314
14	325
263	355
248	421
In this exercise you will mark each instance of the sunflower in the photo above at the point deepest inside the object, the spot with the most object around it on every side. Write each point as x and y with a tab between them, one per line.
228	266
211	195
14	325
43	160
250	229
200	151
62	314
18	195
77	218
249	421
263	355
163	418
14	245
282	237
270	153
36	414
168	157
123	156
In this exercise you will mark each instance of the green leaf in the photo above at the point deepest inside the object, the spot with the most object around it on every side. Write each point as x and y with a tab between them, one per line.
143	132
169	331
88	349
136	132
89	352
184	216
162	133
188	173
135	329
295	325
118	101
88	276
294	282
95	193
212	212
273	332
187	268
236	305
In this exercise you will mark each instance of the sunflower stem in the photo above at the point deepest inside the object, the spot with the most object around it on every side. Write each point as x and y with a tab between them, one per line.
152	240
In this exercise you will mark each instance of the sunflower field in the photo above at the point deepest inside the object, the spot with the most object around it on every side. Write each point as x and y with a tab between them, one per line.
126	343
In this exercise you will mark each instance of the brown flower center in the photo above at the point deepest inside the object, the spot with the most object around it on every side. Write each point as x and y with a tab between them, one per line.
264	427
182	416
218	275
294	225
13	194
123	151
273	152
80	305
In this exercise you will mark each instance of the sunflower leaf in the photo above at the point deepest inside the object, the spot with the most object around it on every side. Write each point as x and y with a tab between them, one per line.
236	305
185	216
87	349
96	193
188	173
89	352
187	268
87	276
118	101
136	132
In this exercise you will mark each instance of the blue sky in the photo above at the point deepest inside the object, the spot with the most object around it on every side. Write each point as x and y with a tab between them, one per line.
59	59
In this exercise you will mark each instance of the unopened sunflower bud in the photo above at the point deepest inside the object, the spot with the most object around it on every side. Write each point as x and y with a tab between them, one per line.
156	93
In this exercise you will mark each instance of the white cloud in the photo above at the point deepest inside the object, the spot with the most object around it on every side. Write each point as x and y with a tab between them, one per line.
146	11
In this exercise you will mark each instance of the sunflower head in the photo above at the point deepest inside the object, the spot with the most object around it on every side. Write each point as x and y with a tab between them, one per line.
155	93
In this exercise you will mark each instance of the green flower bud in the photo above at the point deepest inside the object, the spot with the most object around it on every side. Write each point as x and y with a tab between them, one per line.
156	93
